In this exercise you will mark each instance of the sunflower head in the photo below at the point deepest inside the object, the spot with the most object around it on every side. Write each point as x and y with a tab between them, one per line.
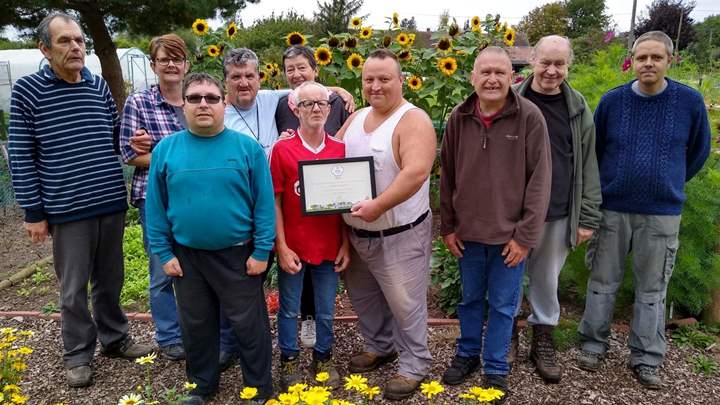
411	38
356	23
475	23
453	30
395	19
295	38
354	61
447	65
213	50
231	30
350	43
402	38
200	27
323	56
386	41
365	33
404	55
333	42
263	76
415	83
509	37
444	45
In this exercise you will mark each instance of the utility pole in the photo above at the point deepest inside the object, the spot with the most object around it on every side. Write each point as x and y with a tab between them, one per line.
631	36
677	39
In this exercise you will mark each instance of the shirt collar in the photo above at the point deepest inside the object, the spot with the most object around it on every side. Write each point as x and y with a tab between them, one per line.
310	148
49	74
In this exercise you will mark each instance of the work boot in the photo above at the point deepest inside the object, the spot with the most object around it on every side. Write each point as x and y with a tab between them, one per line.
460	368
542	354
80	376
648	376
289	372
324	364
590	361
498	382
514	344
401	387
127	350
174	352
368	361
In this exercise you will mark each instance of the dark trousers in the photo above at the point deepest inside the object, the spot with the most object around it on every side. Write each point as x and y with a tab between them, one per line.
307	299
90	251
211	279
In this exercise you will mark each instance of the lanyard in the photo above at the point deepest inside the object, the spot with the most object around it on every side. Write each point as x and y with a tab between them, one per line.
257	121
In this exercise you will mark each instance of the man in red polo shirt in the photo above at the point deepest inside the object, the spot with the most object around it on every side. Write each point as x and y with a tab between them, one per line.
317	244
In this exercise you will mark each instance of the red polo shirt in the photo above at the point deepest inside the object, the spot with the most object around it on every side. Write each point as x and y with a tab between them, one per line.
313	238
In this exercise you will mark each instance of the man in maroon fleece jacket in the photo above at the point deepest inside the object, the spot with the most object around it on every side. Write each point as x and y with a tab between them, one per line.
494	193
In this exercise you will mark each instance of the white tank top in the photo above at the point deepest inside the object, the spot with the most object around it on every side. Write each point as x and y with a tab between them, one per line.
378	144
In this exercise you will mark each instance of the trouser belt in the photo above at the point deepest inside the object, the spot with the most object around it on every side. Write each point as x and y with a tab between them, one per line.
390	231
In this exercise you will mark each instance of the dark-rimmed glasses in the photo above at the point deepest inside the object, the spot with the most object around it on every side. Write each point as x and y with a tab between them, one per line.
209	98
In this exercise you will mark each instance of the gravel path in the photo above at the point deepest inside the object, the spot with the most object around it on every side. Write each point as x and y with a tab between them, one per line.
45	383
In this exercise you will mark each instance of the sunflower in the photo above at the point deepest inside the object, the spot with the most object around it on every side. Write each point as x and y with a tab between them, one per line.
200	27
404	55
386	41
402	38
356	23
323	56
453	30
412	39
213	51
263	76
415	83
395	19
354	61
350	43
231	30
447	65
444	45
365	33
295	38
333	42
475	24
509	36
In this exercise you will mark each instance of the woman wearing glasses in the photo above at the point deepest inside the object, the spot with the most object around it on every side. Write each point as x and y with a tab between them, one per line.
157	112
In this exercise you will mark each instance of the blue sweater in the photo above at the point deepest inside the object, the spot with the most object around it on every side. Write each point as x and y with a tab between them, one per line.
648	147
209	193
62	161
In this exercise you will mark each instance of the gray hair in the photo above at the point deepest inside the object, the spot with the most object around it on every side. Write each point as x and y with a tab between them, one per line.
43	29
295	94
658	36
563	38
299	50
200	77
240	57
494	50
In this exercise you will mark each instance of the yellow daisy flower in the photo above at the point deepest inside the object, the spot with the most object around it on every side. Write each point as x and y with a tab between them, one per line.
356	23
322	377
402	38
295	38
189	386
297	388
272	401
200	27
431	389
509	37
130	399
447	66
371	392
323	56
415	83
355	381
231	30
18	399
213	51
288	399
365	33
354	61
150	358
248	393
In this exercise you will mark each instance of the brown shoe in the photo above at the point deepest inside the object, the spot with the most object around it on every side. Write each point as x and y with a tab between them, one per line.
368	361
401	387
127	350
542	354
80	376
514	343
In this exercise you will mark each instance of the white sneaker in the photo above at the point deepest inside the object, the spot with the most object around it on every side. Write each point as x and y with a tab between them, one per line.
307	332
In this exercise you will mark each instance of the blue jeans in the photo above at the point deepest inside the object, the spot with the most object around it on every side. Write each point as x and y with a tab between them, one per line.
325	282
162	295
483	274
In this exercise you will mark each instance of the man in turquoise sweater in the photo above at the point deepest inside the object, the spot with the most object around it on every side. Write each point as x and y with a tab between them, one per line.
653	136
211	221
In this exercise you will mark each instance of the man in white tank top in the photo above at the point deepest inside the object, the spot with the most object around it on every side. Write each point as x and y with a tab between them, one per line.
391	234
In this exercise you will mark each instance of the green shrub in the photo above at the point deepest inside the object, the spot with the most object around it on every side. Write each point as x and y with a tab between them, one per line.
445	274
137	278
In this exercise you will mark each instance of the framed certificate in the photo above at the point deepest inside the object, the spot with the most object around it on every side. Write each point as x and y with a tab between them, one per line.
332	186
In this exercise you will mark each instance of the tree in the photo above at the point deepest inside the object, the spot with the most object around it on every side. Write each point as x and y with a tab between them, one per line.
706	46
100	18
265	36
586	16
408	24
334	15
551	18
665	16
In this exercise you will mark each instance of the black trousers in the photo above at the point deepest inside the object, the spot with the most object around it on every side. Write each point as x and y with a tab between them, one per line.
211	279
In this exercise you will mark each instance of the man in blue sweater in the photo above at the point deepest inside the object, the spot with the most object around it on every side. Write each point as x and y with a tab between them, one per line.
69	181
653	136
211	220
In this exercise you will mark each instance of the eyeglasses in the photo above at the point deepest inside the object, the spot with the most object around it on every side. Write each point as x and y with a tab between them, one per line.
311	103
209	98
166	61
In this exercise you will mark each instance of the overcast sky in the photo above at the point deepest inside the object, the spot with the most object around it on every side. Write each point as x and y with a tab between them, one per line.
427	12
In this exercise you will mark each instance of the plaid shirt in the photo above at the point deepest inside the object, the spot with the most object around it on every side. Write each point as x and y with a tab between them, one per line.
147	109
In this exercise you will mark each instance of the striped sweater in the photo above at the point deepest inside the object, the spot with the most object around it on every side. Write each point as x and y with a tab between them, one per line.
62	160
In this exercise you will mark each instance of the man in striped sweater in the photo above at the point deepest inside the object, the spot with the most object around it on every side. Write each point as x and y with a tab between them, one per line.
67	178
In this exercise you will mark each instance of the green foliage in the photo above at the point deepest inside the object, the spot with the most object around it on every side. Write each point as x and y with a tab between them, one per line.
703	364
50	308
694	336
706	46
586	16
40	276
565	334
445	275
335	15
550	18
137	278
601	74
6	44
665	15
132	217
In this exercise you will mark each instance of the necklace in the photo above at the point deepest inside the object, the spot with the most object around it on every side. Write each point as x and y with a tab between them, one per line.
257	122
